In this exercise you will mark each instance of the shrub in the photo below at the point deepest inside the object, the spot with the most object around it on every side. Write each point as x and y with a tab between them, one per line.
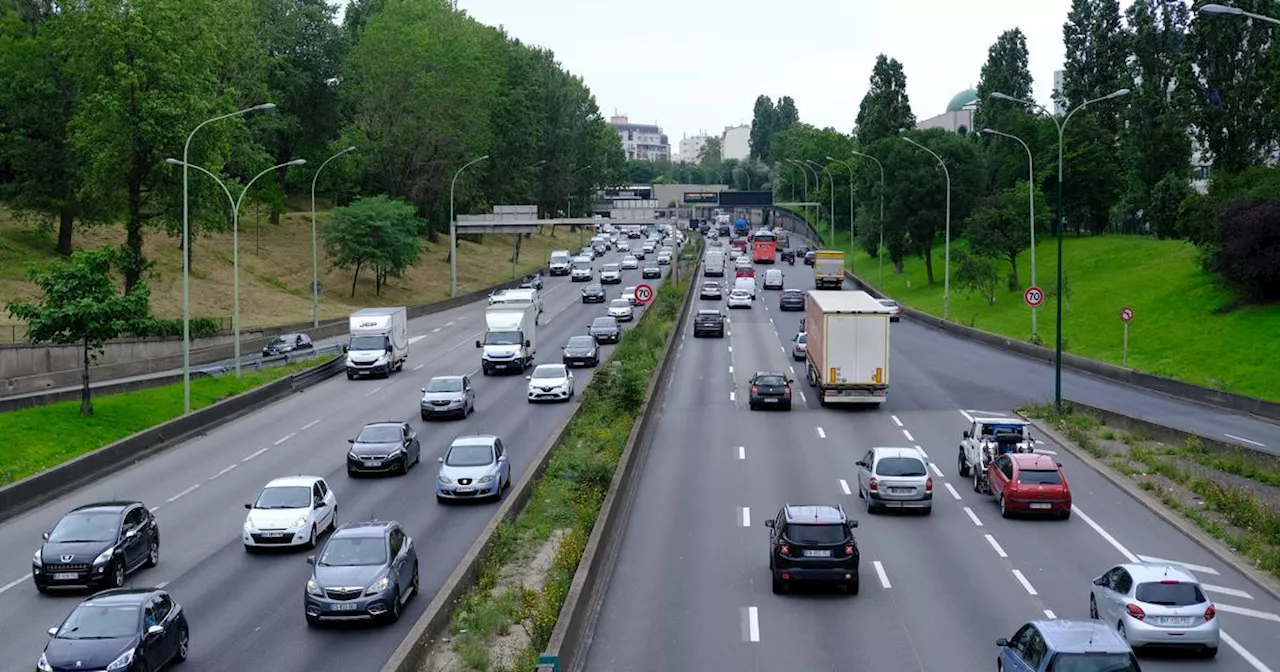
201	327
1246	253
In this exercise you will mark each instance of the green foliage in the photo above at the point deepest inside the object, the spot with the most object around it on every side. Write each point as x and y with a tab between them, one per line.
767	121
201	327
378	232
976	274
1167	196
885	110
1001	228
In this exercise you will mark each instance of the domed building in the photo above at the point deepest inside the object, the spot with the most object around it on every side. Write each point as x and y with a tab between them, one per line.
959	115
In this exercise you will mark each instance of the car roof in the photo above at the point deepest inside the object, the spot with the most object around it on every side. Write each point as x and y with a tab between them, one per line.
1033	461
708	311
432	378
1081	636
550	367
1001	421
820	514
114	505
605	319
292	482
893	451
363	529
1143	572
393	423
122	596
474	440
770	373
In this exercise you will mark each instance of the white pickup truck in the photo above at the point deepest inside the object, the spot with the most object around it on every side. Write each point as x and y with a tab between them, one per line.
989	437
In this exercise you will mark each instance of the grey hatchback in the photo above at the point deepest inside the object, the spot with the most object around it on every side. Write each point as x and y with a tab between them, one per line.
605	330
367	571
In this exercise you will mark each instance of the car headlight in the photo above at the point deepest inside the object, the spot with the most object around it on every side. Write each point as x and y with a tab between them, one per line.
396	452
444	479
104	557
43	665
459	400
248	525
378	586
300	522
123	662
36	560
486	479
313	588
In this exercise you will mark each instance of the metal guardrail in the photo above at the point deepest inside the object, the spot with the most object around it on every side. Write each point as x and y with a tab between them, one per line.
259	363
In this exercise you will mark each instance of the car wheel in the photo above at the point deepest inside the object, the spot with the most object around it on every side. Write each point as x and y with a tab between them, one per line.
404	466
311	541
351	376
779	587
393	614
1004	507
1210	651
1093	608
351	473
42	589
853	587
787	407
441	500
117	575
1121	631
871	507
153	553
928	510
184	645
1065	515
962	467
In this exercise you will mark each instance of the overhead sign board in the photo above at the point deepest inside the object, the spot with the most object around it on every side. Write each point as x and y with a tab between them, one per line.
704	197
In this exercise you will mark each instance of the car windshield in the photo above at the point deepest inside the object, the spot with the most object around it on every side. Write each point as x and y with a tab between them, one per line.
101	526
594	288
502	338
604	322
887	303
611	267
999	430
472	455
1169	594
802	338
284	497
581	342
100	621
559	258
771	380
581	265
354	552
380	434
901	466
280	340
816	534
741	294
793	294
1039	477
445	385
367	343
620	303
1092	662
549	371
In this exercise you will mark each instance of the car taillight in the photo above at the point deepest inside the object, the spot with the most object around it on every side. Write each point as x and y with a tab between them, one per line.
755	389
871	485
1135	611
928	484
787	389
848	550
784	549
1209	613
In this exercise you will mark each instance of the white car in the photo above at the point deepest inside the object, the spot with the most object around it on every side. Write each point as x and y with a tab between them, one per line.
740	298
621	310
630	263
610	274
664	259
622	247
496	296
649	247
290	511
550	382
773	279
629	293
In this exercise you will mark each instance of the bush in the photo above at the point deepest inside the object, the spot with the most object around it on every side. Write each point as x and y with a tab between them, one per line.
1246	253
201	327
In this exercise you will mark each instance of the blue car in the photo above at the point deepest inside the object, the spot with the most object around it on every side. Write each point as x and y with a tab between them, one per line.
476	467
367	571
1066	646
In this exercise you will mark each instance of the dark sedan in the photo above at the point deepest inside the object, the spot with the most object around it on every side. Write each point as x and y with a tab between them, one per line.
711	290
97	546
287	343
605	330
367	571
593	293
651	270
383	447
809	257
708	322
533	280
791	299
581	351
123	629
770	389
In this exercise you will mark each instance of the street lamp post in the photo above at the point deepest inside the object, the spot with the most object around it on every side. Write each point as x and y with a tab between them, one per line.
852	237
186	252
1061	126
1236	11
946	271
235	241
453	229
880	247
831	180
315	264
568	211
817	182
1031	207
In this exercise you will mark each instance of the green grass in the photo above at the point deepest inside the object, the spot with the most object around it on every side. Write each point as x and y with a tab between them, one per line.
1185	326
42	437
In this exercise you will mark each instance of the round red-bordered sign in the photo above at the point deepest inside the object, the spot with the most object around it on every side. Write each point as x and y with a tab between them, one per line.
1034	296
644	294
1126	314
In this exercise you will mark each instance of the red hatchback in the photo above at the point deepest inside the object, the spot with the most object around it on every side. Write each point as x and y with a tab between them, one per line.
1029	483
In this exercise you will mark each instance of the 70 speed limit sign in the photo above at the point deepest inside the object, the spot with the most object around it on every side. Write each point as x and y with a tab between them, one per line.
1034	296
644	294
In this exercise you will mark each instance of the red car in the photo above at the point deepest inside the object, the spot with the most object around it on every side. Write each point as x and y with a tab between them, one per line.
1029	483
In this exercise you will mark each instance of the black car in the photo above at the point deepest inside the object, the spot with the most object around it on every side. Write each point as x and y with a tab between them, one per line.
287	343
533	280
383	447
604	330
770	389
813	543
711	290
809	258
97	546
708	322
366	571
651	270
581	351
788	255
791	299
125	629
593	293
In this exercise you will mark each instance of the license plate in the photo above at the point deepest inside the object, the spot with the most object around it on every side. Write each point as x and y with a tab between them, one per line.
1174	620
466	490
901	491
344	607
372	463
817	554
273	535
1040	505
770	400
66	576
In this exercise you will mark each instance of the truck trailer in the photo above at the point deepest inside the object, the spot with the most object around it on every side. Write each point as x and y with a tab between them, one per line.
847	356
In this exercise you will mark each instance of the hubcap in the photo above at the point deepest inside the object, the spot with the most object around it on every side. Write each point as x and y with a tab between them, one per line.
119	575
155	552
183	642
1093	608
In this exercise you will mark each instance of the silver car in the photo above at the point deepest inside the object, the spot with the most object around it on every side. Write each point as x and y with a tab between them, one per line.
448	395
1155	604
475	467
799	347
895	478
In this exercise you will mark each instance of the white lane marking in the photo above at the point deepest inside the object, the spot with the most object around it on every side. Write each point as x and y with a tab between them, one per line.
1025	583
936	470
162	584
731	348
884	578
731	370
973	516
1105	535
223	472
373	391
821	434
908	435
729	334
996	545
731	396
753	624
153	509
922	453
1226	591
418	367
770	319
184	493
255	454
844	485
415	339
1244	653
1200	569
793	369
1048	613
1264	615
782	348
13	583
436	330
802	399
742	452
967	416
896	420
746	516
1241	438
284	438
309	425
951	490
450	324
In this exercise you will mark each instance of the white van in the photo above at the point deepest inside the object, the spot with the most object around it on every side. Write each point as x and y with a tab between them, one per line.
581	270
524	296
773	279
747	285
559	263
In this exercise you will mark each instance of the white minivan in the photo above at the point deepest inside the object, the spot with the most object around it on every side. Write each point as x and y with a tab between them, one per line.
773	278
747	285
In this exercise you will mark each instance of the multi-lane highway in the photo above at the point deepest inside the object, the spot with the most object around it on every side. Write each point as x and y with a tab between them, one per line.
691	589
246	610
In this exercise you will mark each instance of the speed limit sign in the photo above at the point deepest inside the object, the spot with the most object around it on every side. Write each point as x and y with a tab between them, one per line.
644	294
1034	296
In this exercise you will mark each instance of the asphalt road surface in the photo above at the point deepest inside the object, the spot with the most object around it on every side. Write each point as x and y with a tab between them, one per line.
246	610
691	590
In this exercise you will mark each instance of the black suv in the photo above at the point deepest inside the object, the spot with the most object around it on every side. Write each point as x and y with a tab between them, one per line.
708	322
97	546
813	543
593	293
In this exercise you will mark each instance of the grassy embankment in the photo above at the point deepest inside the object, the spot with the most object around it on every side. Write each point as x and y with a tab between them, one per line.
42	437
506	618
1233	496
1185	326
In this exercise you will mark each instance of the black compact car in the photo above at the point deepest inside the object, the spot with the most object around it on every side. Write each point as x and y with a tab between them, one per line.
581	351
708	322
367	571
604	330
791	299
287	343
533	280
383	447
788	255
593	293
651	270
813	543
97	546
770	389
125	629
711	290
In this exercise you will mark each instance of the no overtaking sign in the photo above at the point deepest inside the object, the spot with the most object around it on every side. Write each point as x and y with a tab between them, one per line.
644	294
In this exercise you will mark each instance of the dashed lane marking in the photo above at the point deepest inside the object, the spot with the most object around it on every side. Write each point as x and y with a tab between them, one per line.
996	546
1199	569
844	485
255	454
731	396
1048	613
821	434
436	330
162	584
374	391
13	584
1025	583
223	472
742	452
753	624
922	453
973	516
884	578
309	425
936	470
896	420
908	435
286	437
1105	535
731	348
1249	441
731	370
746	516
418	367
1244	653
802	399
1226	591
1254	613
184	493
951	490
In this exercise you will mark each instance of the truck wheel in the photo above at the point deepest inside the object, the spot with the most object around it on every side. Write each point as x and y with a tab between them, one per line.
961	466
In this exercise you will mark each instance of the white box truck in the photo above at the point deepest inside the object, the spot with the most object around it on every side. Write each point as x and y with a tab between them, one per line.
713	263
378	343
510	338
847	356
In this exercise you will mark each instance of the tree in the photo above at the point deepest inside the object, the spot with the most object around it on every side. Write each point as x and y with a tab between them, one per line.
1005	72
1247	251
976	273
804	142
786	114
885	109
1002	228
921	199
1165	202
377	232
82	305
763	126
710	154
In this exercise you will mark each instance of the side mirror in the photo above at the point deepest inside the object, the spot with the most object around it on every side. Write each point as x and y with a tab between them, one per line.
1097	581
45	536
320	504
353	440
770	523
1002	642
478	344
52	631
859	463
853	524
346	348
528	344
439	460
248	505
528	377
965	433
311	559
155	631
424	389
1059	465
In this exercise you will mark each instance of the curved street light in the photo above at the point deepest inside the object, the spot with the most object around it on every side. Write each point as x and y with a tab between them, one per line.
1236	11
453	229
315	264
1031	207
946	270
880	247
847	166
568	208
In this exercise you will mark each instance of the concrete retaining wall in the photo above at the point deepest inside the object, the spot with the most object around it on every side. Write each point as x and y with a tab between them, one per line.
1166	435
